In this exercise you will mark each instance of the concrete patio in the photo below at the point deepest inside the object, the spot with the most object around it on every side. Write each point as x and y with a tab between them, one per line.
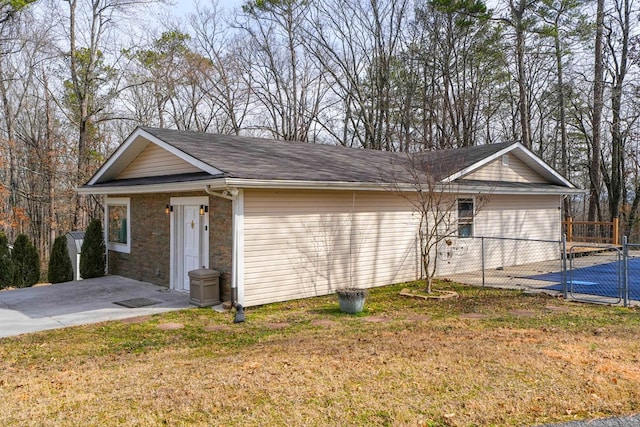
77	303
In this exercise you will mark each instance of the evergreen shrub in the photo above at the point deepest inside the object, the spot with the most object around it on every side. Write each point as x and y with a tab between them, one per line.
93	254
26	262
6	264
60	267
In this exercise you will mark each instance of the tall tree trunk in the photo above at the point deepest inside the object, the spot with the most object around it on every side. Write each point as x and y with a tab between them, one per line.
617	183
82	77
523	102
52	220
598	101
564	158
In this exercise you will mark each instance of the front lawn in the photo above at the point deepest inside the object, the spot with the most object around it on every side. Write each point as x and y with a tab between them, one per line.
491	357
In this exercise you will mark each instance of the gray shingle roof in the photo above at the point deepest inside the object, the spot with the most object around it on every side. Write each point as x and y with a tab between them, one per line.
265	159
154	180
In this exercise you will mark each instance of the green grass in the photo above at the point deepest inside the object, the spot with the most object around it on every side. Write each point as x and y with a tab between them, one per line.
521	364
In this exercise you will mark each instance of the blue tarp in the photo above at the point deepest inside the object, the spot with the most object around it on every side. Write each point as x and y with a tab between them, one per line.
602	279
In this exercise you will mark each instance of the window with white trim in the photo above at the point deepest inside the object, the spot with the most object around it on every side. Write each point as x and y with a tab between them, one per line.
118	229
465	217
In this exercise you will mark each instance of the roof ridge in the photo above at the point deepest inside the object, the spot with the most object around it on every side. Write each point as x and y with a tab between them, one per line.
155	130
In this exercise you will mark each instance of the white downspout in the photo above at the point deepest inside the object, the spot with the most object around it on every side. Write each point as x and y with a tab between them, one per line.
106	241
237	232
238	247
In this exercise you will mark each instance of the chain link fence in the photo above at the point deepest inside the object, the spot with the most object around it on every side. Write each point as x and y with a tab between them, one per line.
599	273
508	263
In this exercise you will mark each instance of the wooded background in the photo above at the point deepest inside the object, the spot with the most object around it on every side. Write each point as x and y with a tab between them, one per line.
77	76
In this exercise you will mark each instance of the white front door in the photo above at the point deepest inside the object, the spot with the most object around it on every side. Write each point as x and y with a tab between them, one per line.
191	233
189	239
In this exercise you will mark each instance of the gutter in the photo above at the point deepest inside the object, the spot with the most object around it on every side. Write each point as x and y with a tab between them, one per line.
453	187
229	194
174	187
221	187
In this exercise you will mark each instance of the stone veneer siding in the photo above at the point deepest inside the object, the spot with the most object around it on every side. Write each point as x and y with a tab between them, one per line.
221	242
149	260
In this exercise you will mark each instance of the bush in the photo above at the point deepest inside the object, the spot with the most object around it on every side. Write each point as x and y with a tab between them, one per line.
60	267
93	255
6	265
26	262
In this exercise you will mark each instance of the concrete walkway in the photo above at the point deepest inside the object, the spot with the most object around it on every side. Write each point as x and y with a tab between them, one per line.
78	303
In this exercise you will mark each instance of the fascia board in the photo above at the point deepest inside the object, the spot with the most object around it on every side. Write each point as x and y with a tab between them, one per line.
150	188
226	183
446	187
452	188
523	154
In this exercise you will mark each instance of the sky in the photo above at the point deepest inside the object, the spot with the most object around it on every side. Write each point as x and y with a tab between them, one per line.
183	7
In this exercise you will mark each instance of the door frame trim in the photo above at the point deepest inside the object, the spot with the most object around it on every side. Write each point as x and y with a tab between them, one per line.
174	250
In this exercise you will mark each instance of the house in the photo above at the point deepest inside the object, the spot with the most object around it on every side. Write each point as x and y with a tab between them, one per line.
285	220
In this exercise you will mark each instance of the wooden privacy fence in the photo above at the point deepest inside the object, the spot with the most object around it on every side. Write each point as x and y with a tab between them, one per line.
592	231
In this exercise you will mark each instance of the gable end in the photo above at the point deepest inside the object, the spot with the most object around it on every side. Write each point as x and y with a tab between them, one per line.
154	161
511	170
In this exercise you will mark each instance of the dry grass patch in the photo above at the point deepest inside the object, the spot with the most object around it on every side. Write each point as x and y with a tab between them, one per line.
426	365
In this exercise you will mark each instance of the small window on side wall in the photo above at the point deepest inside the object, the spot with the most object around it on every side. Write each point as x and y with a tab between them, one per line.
465	218
118	233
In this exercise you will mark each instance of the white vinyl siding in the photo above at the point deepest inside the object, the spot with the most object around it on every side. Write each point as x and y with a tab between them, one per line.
519	216
304	243
514	171
299	244
155	161
509	217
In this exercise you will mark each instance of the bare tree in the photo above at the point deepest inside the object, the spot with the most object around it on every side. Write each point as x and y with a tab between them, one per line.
286	82
12	74
32	131
163	67
618	39
562	21
92	84
225	83
454	56
356	43
442	209
518	19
